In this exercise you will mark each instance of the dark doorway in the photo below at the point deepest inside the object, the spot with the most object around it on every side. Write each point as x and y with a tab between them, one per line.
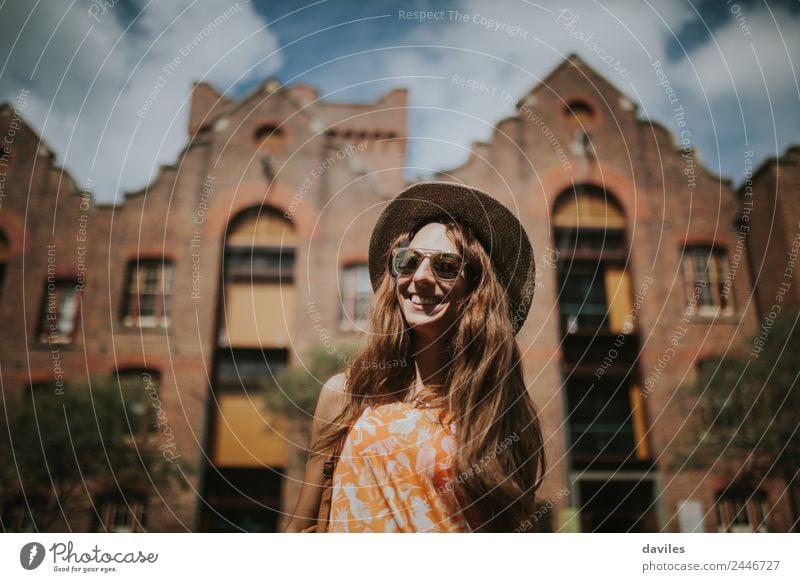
617	506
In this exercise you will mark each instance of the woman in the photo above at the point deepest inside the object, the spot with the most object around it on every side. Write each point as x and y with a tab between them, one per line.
433	421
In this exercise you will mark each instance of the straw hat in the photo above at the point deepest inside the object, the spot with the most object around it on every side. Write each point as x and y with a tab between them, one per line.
498	230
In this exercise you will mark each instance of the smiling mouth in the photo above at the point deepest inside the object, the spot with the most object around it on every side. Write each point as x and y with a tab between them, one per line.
425	301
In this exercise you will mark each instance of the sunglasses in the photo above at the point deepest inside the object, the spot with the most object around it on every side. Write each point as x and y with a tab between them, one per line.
446	266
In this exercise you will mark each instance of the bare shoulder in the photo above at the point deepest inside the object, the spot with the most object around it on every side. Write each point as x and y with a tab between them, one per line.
332	398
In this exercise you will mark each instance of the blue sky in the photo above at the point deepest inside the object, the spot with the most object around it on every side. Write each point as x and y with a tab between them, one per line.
89	71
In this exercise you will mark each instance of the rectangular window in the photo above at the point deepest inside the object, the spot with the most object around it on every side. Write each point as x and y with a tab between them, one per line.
705	271
600	420
58	312
148	293
739	512
23	514
120	514
356	293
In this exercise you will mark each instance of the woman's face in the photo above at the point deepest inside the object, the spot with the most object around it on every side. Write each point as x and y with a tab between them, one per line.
432	320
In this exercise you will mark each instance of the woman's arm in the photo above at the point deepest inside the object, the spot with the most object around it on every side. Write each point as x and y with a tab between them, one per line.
332	399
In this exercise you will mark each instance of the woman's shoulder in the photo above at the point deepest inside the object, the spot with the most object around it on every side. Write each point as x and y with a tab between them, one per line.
332	397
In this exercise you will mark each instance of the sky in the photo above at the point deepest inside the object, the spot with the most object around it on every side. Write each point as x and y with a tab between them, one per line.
107	83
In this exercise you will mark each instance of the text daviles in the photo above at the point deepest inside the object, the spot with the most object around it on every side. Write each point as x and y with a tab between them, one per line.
665	549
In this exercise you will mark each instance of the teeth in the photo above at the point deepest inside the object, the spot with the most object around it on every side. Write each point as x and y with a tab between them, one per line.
424	300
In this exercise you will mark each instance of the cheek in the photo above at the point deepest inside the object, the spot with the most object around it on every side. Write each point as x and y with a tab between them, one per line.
399	289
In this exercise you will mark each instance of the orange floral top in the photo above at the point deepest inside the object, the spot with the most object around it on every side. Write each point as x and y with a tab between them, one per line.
393	473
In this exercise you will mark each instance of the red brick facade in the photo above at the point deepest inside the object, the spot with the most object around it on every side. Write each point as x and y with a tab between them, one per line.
330	173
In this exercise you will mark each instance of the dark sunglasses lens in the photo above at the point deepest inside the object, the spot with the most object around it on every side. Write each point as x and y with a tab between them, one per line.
406	261
447	266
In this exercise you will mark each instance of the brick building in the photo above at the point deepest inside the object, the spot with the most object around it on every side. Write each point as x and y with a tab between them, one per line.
774	234
252	247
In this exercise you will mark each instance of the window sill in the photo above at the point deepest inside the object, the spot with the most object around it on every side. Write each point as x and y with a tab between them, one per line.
148	329
706	317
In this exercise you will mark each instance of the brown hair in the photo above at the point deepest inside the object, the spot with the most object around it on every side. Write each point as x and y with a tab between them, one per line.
484	391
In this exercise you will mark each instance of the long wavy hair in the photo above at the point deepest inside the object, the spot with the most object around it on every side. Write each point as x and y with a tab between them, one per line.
500	456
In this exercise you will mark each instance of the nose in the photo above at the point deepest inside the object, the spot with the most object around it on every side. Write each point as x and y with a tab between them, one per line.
424	273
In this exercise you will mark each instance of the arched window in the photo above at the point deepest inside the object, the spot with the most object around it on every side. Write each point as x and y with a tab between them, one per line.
580	117
247	441
269	138
258	273
607	421
579	113
589	231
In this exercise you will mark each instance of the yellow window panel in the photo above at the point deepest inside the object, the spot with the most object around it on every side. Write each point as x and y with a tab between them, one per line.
259	315
618	291
247	435
639	423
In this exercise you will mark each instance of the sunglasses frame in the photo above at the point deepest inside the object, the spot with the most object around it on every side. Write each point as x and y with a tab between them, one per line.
430	254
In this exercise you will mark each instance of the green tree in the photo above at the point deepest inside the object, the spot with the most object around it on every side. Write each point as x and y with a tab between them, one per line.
743	411
295	389
60	445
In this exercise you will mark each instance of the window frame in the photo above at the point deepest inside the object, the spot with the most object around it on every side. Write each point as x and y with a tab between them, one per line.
595	408
576	321
752	505
351	296
718	272
568	238
284	257
233	364
134	281
20	513
134	507
43	326
269	138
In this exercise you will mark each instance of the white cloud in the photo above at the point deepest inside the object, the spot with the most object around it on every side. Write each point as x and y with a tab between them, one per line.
635	34
89	82
445	117
509	57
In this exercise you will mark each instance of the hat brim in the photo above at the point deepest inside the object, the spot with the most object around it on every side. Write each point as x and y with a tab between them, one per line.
498	230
